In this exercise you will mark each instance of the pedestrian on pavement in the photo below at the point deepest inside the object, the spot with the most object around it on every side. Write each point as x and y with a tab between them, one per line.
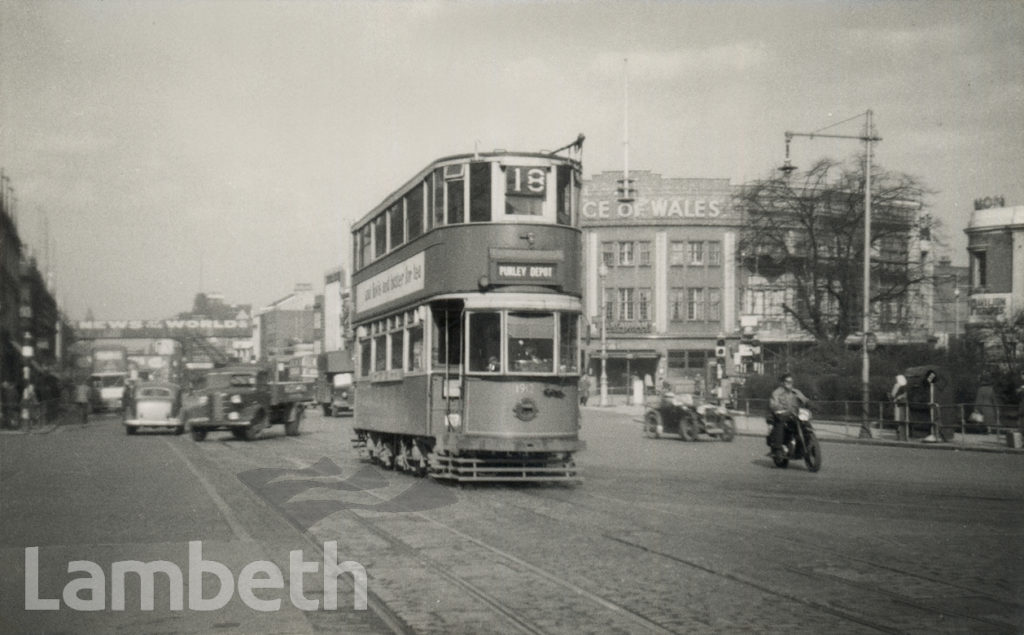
985	403
29	405
82	401
785	406
8	404
899	398
1020	401
585	388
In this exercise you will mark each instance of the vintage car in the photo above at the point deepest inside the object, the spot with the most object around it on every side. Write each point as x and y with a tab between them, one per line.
153	405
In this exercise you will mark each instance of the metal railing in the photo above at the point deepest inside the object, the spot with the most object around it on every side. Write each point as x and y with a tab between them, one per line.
889	415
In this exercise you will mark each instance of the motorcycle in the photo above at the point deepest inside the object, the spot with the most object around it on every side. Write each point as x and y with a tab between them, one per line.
677	415
800	443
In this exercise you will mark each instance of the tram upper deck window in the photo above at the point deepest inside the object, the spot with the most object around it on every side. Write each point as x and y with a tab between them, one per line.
363	249
525	190
566	196
414	211
454	184
396	219
437	198
531	342
484	330
479	192
380	236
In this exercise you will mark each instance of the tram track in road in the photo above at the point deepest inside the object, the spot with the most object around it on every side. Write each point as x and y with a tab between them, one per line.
512	614
247	450
748	535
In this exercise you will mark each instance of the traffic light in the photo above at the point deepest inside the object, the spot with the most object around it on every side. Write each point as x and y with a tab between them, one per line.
720	350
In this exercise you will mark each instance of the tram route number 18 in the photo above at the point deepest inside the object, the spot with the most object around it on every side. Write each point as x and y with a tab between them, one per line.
525	181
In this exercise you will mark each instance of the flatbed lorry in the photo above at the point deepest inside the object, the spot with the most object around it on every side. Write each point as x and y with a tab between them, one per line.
244	400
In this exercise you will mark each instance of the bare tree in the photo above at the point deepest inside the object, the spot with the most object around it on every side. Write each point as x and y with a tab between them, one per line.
1003	341
806	231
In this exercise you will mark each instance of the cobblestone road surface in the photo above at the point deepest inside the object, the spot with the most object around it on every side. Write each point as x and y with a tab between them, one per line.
666	536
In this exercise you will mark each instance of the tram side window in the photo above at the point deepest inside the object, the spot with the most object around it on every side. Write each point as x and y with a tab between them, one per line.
396	216
446	349
485	342
479	192
568	343
365	357
414	211
380	353
531	342
380	236
397	349
365	246
415	361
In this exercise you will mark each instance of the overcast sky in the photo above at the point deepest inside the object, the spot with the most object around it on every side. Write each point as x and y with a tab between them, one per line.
173	147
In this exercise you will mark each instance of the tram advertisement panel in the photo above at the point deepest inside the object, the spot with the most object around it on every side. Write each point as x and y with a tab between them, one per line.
392	284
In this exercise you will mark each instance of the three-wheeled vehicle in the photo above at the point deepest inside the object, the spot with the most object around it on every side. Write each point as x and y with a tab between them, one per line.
676	414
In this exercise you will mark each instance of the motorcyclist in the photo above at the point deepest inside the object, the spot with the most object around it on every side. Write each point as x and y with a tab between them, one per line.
785	405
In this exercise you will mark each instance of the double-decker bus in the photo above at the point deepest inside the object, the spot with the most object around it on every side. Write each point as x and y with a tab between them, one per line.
109	372
467	285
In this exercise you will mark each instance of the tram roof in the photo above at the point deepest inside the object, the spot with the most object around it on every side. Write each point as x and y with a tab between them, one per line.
495	155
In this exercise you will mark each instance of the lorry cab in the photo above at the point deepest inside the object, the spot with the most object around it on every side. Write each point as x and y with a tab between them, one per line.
335	384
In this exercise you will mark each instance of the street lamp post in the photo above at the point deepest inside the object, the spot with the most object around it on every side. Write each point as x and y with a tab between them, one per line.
868	138
603	272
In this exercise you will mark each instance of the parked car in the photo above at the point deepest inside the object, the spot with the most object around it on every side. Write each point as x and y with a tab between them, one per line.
154	405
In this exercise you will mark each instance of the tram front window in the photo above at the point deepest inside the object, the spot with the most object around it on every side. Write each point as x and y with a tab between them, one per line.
531	342
485	342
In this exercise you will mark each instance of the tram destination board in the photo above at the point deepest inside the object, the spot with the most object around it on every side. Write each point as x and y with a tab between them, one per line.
520	271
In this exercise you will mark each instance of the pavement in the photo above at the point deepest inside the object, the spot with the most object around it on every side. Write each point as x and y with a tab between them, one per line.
746	425
843	432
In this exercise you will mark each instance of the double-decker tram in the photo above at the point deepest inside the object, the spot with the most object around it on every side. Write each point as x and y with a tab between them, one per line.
466	287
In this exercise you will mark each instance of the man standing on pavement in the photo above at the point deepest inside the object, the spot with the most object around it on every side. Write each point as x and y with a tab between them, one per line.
785	405
82	400
29	405
8	404
585	388
1020	401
